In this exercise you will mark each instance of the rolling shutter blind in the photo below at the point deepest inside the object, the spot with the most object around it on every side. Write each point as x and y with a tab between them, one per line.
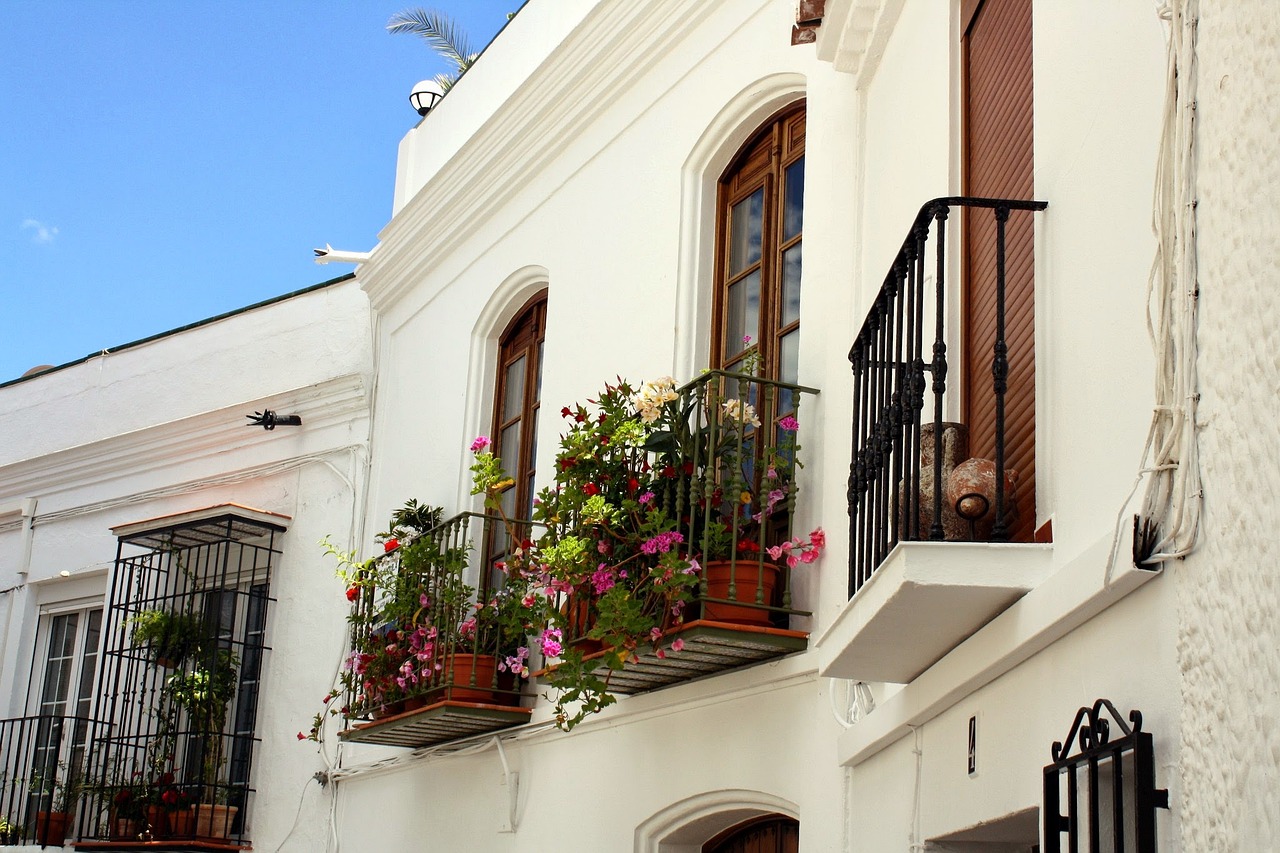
996	54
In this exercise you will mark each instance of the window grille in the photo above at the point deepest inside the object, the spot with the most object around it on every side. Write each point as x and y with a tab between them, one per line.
1108	787
180	701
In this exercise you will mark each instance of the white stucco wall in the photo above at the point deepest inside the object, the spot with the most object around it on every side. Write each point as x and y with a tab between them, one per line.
159	428
1228	639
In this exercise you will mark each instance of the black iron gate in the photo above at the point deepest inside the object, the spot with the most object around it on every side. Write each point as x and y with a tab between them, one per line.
1108	788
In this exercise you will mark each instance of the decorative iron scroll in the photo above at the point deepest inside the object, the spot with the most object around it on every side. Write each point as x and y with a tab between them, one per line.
1115	796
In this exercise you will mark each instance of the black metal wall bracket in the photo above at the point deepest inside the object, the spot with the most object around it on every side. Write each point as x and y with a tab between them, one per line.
269	420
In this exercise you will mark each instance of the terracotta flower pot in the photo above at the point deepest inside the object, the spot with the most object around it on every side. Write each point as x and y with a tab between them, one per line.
746	576
483	668
158	821
181	823
51	828
214	821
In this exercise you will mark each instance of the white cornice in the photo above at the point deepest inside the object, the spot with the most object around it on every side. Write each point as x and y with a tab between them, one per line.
581	79
854	33
335	403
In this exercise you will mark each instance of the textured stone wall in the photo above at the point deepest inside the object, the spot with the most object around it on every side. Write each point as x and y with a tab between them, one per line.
1229	639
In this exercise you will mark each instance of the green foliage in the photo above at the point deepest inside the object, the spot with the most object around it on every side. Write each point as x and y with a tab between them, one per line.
442	35
168	636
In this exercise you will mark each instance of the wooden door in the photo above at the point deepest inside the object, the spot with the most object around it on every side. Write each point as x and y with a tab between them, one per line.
769	834
997	121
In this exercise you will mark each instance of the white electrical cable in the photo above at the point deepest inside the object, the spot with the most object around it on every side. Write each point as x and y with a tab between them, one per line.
1174	496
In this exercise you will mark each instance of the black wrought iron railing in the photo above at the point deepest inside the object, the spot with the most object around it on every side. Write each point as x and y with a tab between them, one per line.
895	488
42	767
733	481
428	624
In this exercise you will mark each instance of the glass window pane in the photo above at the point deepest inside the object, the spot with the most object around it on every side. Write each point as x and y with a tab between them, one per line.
537	389
513	390
744	232
789	358
793	200
791	284
509	449
742	314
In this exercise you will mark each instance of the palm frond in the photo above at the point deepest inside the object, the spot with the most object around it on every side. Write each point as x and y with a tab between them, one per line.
439	31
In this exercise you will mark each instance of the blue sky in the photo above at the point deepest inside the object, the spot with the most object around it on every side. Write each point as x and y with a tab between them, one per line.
161	163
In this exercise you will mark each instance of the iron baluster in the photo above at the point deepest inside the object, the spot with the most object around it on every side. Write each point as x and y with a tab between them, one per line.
1000	377
939	368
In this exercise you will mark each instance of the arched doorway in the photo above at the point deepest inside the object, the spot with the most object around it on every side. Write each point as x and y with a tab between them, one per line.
772	833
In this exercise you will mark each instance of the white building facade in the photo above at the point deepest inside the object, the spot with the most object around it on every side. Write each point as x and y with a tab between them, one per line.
587	155
626	189
150	443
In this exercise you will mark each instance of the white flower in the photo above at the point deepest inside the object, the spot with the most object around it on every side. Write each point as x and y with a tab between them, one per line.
744	413
653	396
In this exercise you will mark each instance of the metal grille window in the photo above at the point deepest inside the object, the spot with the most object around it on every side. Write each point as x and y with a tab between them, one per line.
1102	798
185	639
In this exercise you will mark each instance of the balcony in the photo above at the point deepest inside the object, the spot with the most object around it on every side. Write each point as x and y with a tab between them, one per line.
42	761
939	539
724	468
425	662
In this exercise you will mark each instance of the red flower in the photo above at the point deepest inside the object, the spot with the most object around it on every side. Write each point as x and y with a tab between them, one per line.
391	544
568	462
633	483
590	490
301	736
749	545
565	412
353	593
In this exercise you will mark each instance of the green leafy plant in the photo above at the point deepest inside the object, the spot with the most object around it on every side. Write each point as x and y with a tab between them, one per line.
169	637
57	789
204	693
10	832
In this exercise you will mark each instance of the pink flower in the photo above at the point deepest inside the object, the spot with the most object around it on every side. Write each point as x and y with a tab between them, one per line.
646	497
662	543
602	579
480	443
678	644
655	634
789	424
551	645
818	538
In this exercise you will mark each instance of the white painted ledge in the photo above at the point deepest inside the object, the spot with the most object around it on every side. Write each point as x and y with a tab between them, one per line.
1069	598
923	601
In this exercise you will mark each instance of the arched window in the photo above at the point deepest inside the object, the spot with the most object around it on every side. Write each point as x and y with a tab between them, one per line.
516	403
760	219
768	834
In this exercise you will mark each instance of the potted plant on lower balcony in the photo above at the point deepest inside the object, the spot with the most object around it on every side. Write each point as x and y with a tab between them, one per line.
204	693
56	791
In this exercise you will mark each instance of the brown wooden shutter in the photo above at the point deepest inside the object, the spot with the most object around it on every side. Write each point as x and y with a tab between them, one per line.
997	83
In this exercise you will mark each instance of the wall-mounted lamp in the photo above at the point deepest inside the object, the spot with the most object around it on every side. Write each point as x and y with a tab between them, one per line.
425	95
270	420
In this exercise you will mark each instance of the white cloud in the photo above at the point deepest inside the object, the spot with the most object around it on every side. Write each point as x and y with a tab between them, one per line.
41	233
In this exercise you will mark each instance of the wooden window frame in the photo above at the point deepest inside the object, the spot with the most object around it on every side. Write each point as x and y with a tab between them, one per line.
523	337
762	161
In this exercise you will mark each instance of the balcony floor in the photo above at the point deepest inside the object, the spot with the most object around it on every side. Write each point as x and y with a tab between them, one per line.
438	723
922	602
709	648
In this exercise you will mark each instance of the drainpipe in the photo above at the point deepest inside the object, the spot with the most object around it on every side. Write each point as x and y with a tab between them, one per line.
24	569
